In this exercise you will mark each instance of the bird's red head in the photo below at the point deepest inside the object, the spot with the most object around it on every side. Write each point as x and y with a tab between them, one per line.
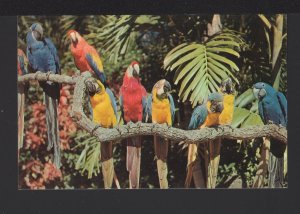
74	36
133	70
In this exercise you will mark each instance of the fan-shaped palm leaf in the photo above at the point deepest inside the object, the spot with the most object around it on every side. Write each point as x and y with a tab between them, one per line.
201	67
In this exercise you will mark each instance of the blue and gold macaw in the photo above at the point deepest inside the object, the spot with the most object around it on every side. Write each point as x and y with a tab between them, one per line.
105	114
161	109
22	70
272	107
205	115
225	118
42	56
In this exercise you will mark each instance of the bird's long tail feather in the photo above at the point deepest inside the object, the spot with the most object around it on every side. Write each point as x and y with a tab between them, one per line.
133	161
161	152
21	106
107	164
192	155
52	126
214	159
194	168
276	164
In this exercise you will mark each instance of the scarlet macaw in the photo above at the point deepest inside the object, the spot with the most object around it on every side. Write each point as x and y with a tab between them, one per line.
161	109
272	106
205	115
104	114
42	56
22	70
85	56
133	99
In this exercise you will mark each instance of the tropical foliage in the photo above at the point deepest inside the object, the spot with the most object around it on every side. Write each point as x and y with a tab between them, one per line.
175	47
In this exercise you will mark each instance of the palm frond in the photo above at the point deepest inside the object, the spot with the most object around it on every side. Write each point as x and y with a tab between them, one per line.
201	66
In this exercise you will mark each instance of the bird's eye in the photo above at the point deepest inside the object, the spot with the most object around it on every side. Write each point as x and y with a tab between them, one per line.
263	85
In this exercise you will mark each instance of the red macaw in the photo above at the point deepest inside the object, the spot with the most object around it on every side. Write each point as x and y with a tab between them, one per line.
161	109
22	70
133	99
85	56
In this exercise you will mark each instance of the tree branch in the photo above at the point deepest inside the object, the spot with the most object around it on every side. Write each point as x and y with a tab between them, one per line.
134	129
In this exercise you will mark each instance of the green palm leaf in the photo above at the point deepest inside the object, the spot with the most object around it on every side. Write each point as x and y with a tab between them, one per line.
201	67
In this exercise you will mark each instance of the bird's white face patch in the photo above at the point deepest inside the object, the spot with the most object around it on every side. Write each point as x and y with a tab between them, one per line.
255	92
73	36
129	71
137	68
160	91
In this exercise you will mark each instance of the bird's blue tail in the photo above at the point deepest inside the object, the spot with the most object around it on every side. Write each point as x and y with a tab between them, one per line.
51	98
276	164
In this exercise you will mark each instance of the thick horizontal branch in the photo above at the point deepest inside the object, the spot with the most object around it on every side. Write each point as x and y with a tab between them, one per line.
177	135
47	77
135	129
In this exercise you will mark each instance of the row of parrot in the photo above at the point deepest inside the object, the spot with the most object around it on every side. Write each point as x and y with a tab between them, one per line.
138	106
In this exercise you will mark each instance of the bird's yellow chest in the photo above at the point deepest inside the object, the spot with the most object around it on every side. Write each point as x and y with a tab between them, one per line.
161	111
103	112
212	119
227	113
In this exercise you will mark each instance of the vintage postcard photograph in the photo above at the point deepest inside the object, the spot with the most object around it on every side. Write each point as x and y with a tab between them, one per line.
152	101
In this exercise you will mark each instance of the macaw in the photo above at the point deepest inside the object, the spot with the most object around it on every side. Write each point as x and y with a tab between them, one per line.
272	107
22	70
133	99
104	108
205	115
42	56
161	109
225	118
85	56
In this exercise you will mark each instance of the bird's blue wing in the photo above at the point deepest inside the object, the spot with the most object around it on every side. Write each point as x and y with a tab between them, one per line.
148	109
30	58
97	67
121	107
199	116
172	106
22	65
113	101
53	52
261	111
144	104
283	104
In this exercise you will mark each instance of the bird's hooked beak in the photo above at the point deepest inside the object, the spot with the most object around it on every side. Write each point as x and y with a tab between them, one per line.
259	93
37	31
167	87
92	86
216	106
136	71
73	38
227	86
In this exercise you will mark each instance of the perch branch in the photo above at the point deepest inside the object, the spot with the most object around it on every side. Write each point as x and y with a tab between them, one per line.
131	129
47	77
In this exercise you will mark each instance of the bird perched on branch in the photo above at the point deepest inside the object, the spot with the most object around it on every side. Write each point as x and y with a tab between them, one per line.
133	99
205	115
272	107
225	118
105	115
161	109
22	70
42	56
85	56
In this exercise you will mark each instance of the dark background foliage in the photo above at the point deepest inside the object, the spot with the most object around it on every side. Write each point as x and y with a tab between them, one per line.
147	39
